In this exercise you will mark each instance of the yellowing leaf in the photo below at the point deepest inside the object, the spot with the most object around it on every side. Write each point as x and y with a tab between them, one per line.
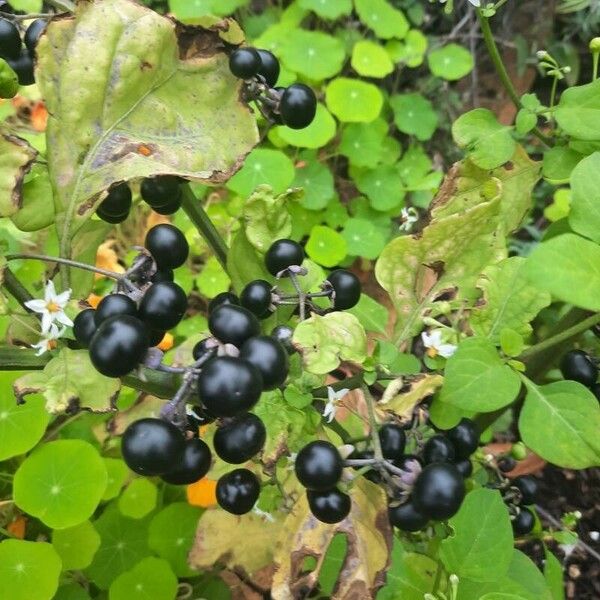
403	403
16	158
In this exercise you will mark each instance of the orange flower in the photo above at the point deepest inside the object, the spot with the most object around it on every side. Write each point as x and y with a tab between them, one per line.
93	300
39	116
166	343
106	258
17	527
202	493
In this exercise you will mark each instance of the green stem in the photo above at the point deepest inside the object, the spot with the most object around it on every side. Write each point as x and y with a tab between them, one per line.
15	288
377	452
595	59
193	208
553	93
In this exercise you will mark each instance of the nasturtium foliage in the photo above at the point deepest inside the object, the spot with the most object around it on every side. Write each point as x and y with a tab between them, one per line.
450	62
151	576
353	101
138	499
414	115
76	545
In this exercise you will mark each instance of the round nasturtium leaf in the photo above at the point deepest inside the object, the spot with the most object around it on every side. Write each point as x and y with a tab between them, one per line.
21	425
380	16
313	54
326	246
150	578
71	591
76	546
61	483
117	474
383	186
328	9
410	50
28	570
316	180
353	101
451	62
212	279
171	535
362	142
363	238
414	115
263	166
316	135
138	498
371	60
303	220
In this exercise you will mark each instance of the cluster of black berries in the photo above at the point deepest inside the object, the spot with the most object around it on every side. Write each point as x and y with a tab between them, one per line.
120	330
162	193
19	58
577	365
294	106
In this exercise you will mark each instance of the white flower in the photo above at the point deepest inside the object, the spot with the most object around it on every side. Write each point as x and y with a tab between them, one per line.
52	307
433	342
265	515
409	216
48	340
333	398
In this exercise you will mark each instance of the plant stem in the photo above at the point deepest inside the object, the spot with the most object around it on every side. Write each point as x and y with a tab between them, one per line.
373	423
595	59
193	209
15	288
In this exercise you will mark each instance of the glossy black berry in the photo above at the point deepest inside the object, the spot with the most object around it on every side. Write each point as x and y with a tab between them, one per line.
193	464
528	487
163	305
152	446
284	334
164	275
298	106
244	63
506	464
393	441
438	449
269	67
577	365
346	287
439	491
283	254
240	439
269	357
465	467
203	347
117	202
33	33
169	209
160	191
228	386
464	438
10	40
237	492
223	298
233	324
84	326
114	305
330	506
23	67
112	219
319	466
256	297
118	345
524	522
167	245
406	517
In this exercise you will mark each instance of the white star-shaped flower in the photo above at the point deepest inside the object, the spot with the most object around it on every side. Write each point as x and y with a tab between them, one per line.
48	340
333	398
52	307
409	216
432	340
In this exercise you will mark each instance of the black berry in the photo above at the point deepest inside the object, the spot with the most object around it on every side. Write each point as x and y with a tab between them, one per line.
393	440
283	254
319	466
152	446
524	522
10	40
439	491
164	275
256	297
198	416
346	287
438	449
202	347
167	245
160	191
298	106
406	517
114	305
465	467
84	326
223	298
464	438
155	337
269	67
244	63
269	357
33	33
113	220
23	67
163	305
506	464
237	492
233	324
329	506
192	464
577	365
284	334
528	487
240	439
117	203
169	209
228	386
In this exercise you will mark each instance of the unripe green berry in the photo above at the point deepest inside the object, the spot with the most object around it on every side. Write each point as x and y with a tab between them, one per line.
595	45
518	451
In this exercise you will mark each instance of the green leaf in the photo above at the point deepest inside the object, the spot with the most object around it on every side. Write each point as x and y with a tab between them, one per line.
117	474
553	573
150	578
296	397
481	547
123	542
525	121
362	143
380	16
326	246
313	54
76	545
16	158
9	81
559	209
318	134
414	115
371	60
567	266
21	425
27	6
450	62
508	301
372	315
317	182
411	50
363	238
584	217
476	366
212	279
171	535
578	111
131	53
263	166
61	483
138	499
353	101
37	208
244	262
71	591
325	341
28	570
382	185
487	142
328	10
511	342
571	417
70	381
559	163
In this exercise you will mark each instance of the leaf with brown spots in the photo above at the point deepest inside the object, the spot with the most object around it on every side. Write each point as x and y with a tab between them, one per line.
403	403
16	158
